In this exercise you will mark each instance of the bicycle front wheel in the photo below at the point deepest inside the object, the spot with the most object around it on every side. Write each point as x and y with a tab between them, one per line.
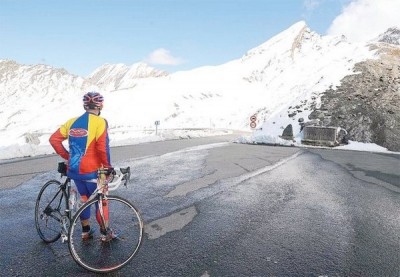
50	210
98	256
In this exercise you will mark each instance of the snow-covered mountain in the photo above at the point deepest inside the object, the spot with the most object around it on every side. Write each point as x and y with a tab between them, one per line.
32	97
279	82
111	77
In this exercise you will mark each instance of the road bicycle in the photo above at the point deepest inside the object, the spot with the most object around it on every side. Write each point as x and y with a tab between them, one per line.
57	217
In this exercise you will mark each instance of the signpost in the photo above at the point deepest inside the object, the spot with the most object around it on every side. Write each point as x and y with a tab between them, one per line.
157	122
253	120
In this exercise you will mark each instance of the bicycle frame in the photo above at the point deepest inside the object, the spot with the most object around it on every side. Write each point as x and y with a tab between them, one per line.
66	219
100	193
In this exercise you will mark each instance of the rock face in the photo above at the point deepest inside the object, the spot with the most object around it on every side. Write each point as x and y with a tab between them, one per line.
367	103
392	36
288	132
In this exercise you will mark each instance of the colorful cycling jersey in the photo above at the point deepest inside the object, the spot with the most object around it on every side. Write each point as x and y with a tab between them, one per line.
88	145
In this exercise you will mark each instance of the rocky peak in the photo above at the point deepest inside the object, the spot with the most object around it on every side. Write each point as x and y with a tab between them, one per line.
286	41
41	78
391	36
143	70
119	76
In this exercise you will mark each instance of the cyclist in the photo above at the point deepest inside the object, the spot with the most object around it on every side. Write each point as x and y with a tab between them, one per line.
88	151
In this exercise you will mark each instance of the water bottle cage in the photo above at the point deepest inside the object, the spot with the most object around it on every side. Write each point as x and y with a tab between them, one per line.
73	198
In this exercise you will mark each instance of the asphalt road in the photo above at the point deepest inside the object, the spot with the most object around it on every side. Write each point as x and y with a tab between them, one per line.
215	208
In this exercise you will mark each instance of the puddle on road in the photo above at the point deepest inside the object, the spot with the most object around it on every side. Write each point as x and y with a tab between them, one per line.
170	223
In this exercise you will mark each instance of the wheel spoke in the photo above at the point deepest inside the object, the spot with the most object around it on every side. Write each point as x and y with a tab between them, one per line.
50	203
99	256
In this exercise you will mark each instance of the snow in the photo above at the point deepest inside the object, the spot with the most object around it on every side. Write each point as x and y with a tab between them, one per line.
359	146
20	149
272	140
290	70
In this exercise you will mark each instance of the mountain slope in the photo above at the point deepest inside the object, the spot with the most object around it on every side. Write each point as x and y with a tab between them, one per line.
367	104
295	66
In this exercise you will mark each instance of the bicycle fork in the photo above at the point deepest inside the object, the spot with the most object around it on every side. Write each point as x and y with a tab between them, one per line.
66	219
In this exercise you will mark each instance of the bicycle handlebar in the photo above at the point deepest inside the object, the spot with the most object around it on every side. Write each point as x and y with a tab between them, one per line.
119	176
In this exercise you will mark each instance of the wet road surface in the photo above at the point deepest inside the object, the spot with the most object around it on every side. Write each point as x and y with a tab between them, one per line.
225	209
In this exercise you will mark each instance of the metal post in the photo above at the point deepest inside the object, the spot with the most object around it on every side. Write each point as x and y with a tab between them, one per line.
157	122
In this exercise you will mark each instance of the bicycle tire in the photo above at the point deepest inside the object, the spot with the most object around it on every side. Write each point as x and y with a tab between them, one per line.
50	207
102	257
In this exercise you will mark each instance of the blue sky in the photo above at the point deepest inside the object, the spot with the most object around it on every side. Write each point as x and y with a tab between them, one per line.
81	35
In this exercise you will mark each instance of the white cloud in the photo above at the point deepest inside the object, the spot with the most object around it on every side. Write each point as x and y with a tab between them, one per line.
362	20
311	4
163	56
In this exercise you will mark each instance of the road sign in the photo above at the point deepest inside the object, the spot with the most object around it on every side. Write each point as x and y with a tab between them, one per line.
157	122
253	120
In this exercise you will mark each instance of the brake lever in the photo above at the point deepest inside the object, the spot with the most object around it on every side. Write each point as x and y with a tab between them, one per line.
127	175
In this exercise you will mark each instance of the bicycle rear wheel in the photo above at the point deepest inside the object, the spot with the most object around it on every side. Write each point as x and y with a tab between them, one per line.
50	210
101	257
